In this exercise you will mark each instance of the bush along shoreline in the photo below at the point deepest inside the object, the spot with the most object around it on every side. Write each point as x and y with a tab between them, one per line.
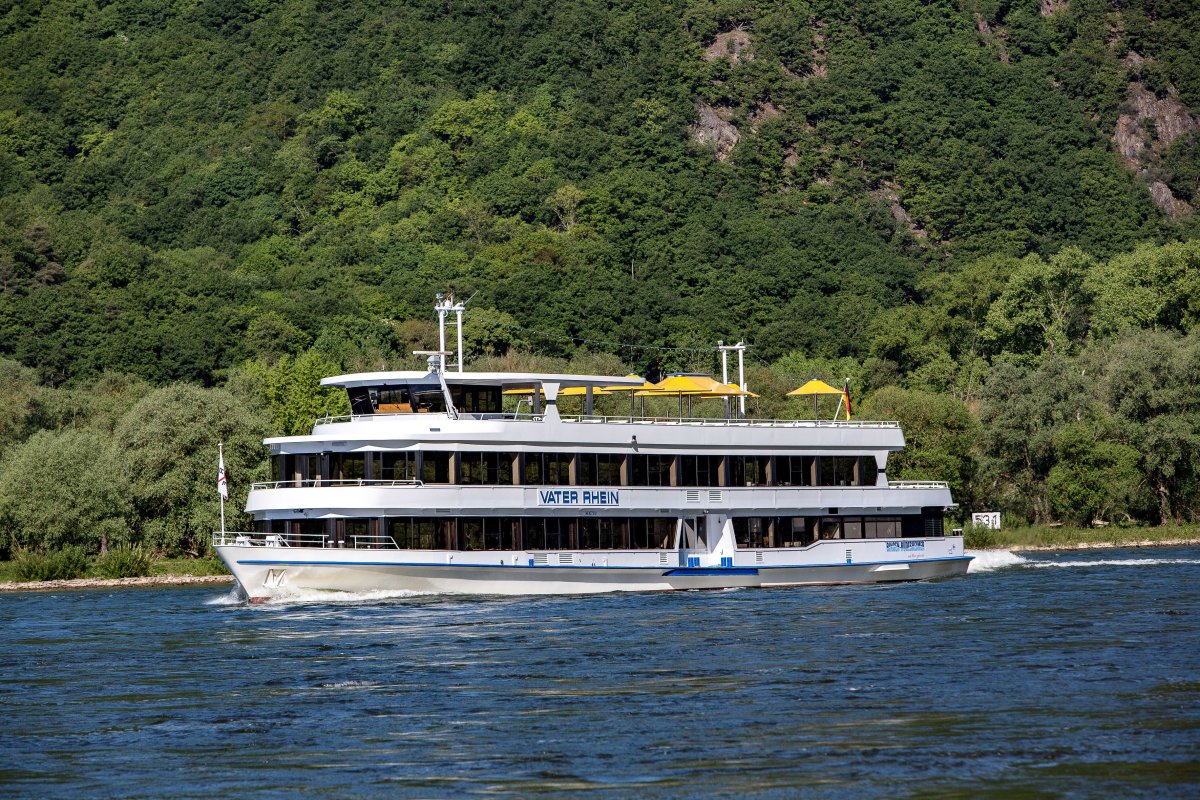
117	564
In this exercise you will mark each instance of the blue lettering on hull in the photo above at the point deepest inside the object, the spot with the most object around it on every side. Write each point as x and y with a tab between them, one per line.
579	497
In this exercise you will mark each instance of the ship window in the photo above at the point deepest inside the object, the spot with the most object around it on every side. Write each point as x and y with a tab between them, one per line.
399	467
868	471
435	467
882	527
650	470
548	469
750	532
699	470
312	469
748	470
601	533
792	532
794	471
837	470
852	527
411	533
599	469
653	533
489	469
477	399
353	466
829	528
553	533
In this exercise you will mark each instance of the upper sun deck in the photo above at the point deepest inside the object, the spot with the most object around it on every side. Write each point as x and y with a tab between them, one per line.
471	409
502	380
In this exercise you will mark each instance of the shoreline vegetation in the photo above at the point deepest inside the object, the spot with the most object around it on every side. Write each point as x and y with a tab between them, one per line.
205	571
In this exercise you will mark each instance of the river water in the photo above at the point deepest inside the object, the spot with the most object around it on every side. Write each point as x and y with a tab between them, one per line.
1052	675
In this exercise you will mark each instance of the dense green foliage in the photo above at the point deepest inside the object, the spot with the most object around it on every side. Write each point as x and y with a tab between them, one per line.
920	196
124	562
62	564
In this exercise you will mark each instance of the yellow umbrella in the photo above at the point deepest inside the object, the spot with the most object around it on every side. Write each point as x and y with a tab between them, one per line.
815	388
613	389
727	390
689	385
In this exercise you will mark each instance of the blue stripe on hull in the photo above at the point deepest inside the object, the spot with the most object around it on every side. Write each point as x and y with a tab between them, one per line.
690	572
680	570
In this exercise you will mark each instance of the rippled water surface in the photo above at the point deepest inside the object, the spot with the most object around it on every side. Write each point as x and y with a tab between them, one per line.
1054	675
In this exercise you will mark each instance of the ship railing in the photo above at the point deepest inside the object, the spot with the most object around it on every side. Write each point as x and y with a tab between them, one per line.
374	542
918	485
735	423
639	420
260	539
310	482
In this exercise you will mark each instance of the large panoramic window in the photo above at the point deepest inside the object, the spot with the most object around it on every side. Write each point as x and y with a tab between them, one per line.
486	468
650	470
547	469
699	470
748	470
435	467
398	466
599	469
653	533
751	532
602	533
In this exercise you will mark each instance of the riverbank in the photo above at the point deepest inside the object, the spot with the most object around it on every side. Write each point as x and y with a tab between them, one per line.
106	583
1063	538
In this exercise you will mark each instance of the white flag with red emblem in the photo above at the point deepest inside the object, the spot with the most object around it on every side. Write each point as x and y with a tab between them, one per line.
222	481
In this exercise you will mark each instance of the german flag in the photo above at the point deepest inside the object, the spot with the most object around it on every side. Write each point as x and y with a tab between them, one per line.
846	396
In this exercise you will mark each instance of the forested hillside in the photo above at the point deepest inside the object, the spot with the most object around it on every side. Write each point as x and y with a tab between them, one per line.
980	211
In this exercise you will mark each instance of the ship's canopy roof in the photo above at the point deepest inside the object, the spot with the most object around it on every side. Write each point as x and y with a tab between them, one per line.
507	380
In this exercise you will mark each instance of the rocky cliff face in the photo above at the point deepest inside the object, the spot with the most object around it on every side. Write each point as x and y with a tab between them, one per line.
1146	127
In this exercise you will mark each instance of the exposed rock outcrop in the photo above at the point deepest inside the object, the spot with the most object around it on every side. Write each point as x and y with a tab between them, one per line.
1146	127
1051	7
889	195
733	45
713	129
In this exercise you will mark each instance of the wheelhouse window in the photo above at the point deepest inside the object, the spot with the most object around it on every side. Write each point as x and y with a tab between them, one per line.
477	399
405	397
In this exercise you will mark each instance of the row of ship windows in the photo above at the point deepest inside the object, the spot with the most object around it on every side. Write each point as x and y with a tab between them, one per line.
596	533
580	469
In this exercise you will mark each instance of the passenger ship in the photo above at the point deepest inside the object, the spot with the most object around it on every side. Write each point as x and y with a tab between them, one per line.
430	485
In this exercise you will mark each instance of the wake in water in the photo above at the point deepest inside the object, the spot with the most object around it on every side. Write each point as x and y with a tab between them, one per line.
992	560
1116	562
233	598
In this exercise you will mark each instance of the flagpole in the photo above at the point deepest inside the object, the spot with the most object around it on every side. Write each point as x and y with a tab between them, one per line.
221	460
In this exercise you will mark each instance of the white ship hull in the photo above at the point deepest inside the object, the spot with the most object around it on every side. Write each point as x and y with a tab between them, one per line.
277	572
